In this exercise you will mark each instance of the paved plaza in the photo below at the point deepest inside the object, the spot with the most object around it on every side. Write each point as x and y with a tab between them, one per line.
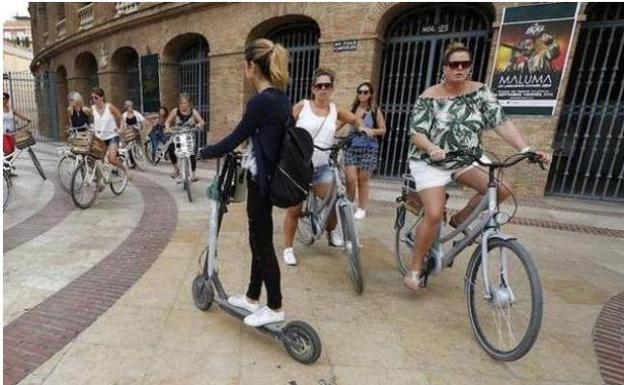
103	296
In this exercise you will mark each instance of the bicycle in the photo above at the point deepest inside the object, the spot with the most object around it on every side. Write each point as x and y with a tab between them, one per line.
24	140
94	172
161	150
68	161
184	142
314	217
7	186
501	292
132	137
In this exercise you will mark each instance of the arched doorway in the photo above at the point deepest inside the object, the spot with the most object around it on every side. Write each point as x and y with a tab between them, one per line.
588	157
411	62
125	62
300	37
86	73
185	68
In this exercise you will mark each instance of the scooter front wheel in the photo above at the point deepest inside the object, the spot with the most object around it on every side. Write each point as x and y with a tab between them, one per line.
203	294
302	342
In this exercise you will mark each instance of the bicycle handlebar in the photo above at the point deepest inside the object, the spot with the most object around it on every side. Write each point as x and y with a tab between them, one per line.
342	142
474	154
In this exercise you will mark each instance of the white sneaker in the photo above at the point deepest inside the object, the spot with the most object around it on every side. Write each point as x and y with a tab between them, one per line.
335	238
264	316
242	301
289	256
359	214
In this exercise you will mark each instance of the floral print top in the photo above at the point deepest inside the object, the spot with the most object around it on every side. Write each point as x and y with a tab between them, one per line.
454	123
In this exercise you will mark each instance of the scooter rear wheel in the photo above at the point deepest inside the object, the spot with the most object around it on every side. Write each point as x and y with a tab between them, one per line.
203	295
303	343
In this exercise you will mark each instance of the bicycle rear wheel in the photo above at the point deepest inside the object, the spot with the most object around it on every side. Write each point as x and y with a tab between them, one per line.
65	171
33	156
507	323
84	185
349	233
405	224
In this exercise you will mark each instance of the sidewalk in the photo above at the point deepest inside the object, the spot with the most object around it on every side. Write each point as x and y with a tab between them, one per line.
141	327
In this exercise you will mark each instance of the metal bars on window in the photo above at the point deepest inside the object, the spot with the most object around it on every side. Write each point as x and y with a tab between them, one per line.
193	78
134	82
588	156
412	62
301	40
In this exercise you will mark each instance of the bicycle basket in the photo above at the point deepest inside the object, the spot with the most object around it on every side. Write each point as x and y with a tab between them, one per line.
85	143
24	138
184	144
130	134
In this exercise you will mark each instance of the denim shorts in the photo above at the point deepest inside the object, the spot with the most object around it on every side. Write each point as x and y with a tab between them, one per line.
322	174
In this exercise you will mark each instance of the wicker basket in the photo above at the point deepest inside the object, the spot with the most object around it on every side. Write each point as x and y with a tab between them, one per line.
84	143
130	134
23	139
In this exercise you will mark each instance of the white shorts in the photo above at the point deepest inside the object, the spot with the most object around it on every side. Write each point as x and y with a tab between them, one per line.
426	176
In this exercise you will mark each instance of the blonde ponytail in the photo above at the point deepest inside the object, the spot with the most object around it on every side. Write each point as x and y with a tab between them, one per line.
271	59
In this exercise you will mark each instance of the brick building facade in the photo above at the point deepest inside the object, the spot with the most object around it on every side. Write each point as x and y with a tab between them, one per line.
197	48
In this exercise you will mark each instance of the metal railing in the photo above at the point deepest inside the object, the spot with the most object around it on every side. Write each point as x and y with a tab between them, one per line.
124	8
86	15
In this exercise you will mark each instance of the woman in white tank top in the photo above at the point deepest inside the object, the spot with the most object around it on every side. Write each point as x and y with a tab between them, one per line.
106	122
320	117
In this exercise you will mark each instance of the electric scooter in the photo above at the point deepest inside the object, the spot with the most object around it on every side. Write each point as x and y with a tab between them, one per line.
299	338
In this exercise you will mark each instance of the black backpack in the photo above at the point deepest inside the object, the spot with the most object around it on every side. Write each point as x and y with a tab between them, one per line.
293	172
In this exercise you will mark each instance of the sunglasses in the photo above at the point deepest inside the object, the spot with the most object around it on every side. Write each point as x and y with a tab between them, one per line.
323	86
94	97
363	92
464	64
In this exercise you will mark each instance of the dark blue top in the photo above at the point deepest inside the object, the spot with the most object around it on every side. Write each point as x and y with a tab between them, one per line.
264	121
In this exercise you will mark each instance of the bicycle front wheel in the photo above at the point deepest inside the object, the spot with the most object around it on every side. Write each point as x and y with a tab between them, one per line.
187	179
507	321
35	160
350	237
84	185
405	224
139	155
65	170
6	189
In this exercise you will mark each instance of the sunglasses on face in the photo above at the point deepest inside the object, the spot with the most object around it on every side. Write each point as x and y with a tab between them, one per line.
323	86
363	92
464	64
94	97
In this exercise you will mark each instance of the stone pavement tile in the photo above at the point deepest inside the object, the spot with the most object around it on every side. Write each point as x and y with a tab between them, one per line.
41	374
182	250
196	331
87	364
175	367
17	300
404	377
572	320
127	326
544	361
349	308
167	268
151	292
285	372
372	344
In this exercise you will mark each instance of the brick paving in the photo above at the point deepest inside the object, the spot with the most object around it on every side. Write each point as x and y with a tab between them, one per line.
38	334
609	341
53	213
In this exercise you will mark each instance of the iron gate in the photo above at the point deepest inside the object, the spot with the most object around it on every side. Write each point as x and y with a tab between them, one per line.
412	62
588	156
193	78
35	97
301	40
134	83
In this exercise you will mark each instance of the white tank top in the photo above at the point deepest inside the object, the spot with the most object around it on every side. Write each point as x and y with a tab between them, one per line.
8	122
321	128
104	125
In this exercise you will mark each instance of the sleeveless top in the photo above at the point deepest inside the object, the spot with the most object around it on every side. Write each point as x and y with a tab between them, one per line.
182	120
131	121
8	122
365	141
321	128
104	125
79	118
